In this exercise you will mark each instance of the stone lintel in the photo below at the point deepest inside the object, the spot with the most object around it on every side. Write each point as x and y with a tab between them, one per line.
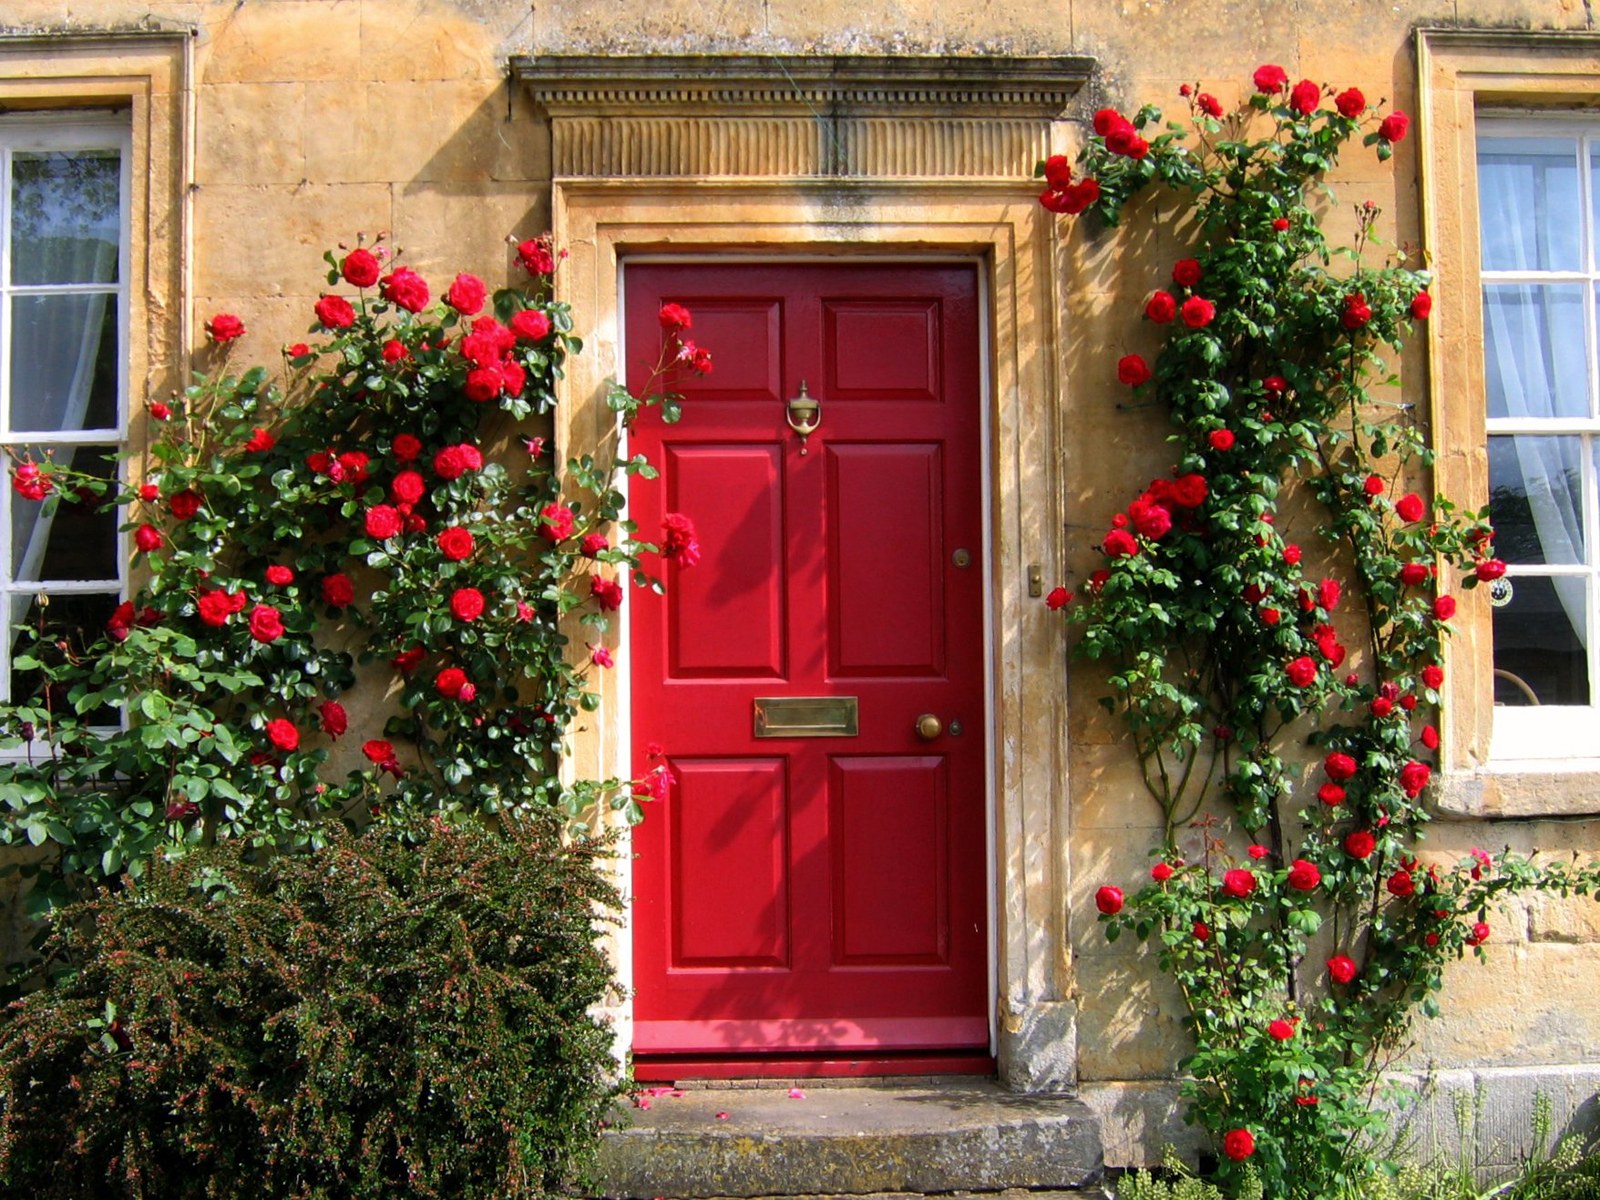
854	117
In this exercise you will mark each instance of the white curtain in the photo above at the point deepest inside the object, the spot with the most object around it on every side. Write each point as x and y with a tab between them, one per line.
1534	352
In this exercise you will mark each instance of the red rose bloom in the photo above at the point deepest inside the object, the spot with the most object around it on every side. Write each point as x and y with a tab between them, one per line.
279	576
147	538
1161	307
360	268
1381	706
1221	440
283	735
1202	931
394	350
404	288
1198	312
184	504
1328	593
1413	573
1356	312
1109	900
483	384
1119	543
675	317
1208	104
353	466
1258	852
1359	843
466	294
1108	120
1132	370
1189	491
406	447
593	544
1301	671
449	682
1331	794
1410	507
1444	607
266	623
1303	876
1127	143
1238	882
333	718
1373	485
335	312
1401	884
215	608
1421	306
1161	872
1339	767
1479	934
535	257
31	483
607	593
1414	777
408	488
531	325
160	411
1341	968
1074	198
1394	126
1149	520
224	327
1058	171
338	591
1187	272
1240	1144
1305	97
466	604
407	660
1432	676
261	440
1058	599
1280	1030
298	350
1430	737
455	543
1291	554
556	523
383	521
1350	103
1489	570
1270	78
378	751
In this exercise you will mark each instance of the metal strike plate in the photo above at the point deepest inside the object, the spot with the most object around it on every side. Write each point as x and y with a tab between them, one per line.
806	716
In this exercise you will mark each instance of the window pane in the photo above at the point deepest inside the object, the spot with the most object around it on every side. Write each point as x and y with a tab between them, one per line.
64	357
76	541
1539	636
64	221
77	619
1536	498
1528	203
1534	350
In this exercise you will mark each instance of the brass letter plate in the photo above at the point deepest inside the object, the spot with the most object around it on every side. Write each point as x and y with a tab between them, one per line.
806	716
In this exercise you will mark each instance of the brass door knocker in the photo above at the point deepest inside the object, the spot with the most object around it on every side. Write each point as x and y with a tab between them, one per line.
804	415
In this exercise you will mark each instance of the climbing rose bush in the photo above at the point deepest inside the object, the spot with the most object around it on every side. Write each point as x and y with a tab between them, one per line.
361	551
1281	588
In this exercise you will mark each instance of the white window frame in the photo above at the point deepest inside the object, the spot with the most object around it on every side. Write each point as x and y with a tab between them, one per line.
76	129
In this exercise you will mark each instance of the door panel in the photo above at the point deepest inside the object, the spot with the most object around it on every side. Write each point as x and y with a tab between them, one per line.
813	893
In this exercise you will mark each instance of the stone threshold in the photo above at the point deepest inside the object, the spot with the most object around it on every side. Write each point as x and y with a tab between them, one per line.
951	1136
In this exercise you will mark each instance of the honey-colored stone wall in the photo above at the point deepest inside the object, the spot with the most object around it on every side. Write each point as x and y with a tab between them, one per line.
309	120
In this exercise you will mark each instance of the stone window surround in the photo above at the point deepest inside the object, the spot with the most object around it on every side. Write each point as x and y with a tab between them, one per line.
146	74
825	157
1462	72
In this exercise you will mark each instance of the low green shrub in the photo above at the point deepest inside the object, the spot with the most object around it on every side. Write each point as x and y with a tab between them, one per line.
407	1012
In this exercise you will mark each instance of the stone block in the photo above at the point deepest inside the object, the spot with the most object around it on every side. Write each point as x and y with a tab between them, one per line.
672	26
446	228
448	132
1137	1120
1039	1047
298	42
941	1137
267	239
421	41
1569	919
1130	1019
251	133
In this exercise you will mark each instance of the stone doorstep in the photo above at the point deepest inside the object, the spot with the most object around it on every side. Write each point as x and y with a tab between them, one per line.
952	1136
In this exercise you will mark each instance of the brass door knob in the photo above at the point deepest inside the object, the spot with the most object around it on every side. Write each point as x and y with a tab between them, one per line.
929	727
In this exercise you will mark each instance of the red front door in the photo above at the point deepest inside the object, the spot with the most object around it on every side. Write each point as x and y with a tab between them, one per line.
825	892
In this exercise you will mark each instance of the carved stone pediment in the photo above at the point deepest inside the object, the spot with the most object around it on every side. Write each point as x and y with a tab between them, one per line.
833	117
